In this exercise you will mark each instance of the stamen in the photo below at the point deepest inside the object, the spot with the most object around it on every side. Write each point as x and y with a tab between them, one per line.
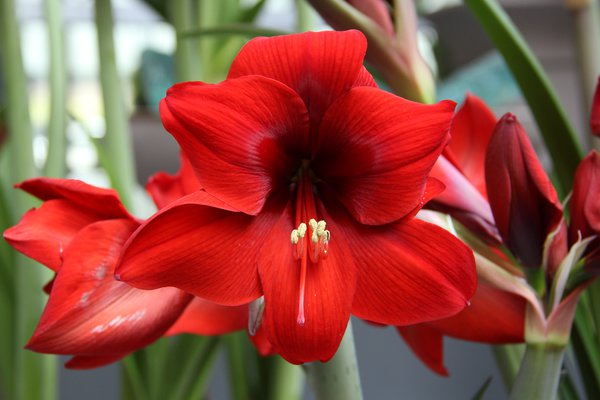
297	239
320	238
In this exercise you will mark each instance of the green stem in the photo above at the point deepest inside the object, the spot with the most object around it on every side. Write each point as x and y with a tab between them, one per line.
555	127
539	373
33	375
132	384
207	14
338	378
197	367
55	164
286	380
118	137
303	16
237	366
508	358
186	64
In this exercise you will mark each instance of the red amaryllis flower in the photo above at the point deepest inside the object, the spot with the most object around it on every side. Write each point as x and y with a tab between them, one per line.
78	232
311	178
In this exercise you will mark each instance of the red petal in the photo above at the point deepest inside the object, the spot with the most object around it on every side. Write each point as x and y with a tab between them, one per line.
90	313
585	205
202	317
242	133
207	251
595	116
494	316
523	200
376	151
471	132
104	202
262	344
427	344
44	233
89	362
319	66
409	272
462	200
328	296
165	189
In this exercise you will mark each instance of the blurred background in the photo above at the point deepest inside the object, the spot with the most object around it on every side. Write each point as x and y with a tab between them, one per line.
450	38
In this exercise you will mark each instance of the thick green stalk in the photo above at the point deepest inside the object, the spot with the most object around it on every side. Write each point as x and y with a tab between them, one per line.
237	366
118	137
207	15
197	366
187	67
508	358
132	385
338	378
33	375
539	373
286	380
555	127
304	16
55	163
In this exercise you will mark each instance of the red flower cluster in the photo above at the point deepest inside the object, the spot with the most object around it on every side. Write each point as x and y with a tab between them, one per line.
79	233
310	180
529	224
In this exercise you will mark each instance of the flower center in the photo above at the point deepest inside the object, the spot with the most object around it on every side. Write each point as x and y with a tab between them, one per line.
307	251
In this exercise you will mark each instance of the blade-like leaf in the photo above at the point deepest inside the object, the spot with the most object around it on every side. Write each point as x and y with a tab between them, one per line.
248	30
556	129
483	389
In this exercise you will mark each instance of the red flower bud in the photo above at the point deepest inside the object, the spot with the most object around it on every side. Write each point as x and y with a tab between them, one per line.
585	202
523	200
595	117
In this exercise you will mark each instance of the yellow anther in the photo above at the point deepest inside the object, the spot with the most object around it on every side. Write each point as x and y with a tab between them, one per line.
298	234
313	224
301	229
321	228
294	236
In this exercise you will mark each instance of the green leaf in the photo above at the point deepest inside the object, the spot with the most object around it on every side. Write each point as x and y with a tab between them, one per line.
556	129
248	30
483	389
57	125
132	385
566	388
249	14
586	349
118	137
